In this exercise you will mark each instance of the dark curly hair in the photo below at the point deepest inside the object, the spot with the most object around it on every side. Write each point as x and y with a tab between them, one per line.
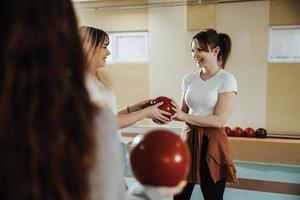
46	117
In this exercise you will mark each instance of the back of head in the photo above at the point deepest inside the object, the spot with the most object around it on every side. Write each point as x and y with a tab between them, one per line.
45	113
210	38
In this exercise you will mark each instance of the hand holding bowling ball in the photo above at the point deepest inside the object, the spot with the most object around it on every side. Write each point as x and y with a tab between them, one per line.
166	106
159	158
261	133
227	130
249	132
237	131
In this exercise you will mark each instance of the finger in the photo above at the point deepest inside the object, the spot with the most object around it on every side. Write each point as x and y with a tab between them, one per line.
175	109
159	104
165	113
174	104
157	121
164	119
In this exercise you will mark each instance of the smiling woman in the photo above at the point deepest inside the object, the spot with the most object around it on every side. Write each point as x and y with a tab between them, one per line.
208	97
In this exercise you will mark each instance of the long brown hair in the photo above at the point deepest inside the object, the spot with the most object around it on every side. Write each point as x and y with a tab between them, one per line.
210	37
46	117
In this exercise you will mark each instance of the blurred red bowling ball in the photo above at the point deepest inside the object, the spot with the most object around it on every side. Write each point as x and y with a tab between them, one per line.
237	131
261	133
227	130
159	158
166	106
249	132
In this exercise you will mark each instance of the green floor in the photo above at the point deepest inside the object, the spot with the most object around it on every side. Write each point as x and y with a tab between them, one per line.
278	173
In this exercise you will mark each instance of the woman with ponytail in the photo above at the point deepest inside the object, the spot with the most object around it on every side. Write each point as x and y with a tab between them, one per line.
208	97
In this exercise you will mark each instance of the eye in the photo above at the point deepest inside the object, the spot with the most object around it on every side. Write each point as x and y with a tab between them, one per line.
193	50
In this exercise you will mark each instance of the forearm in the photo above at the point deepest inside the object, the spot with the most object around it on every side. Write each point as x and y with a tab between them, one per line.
130	109
204	121
127	119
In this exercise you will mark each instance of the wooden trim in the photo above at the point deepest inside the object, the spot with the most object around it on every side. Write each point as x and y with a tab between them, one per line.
266	186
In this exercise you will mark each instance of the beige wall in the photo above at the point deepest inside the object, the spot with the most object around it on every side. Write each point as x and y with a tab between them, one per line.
115	20
284	12
129	81
248	60
283	110
201	16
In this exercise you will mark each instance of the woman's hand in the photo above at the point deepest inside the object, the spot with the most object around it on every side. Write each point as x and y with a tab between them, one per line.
143	104
158	115
179	114
158	122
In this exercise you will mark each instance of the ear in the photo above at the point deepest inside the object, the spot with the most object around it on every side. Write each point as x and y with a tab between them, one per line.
216	50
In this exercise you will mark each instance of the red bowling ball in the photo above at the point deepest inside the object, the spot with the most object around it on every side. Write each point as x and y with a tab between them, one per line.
227	130
160	158
237	131
166	106
249	132
261	133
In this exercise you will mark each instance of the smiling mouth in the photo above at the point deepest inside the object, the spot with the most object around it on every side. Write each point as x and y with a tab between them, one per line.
199	60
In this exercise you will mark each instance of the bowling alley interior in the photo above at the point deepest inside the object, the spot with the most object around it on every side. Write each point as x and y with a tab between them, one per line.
150	45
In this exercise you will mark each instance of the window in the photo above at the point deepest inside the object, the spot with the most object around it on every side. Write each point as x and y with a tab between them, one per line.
284	44
128	47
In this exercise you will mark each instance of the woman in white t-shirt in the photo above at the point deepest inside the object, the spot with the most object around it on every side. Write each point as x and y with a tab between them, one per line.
208	97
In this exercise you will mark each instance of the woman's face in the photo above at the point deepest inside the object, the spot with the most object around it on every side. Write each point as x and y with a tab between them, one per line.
100	55
201	56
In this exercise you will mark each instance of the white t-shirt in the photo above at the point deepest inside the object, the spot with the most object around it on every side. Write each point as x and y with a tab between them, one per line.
201	96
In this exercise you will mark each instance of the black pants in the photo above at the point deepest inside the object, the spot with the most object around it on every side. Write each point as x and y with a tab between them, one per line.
210	190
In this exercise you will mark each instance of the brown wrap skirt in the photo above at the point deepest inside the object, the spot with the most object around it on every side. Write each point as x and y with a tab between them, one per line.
219	156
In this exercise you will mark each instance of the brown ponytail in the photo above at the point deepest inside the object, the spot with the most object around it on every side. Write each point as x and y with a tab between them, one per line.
225	48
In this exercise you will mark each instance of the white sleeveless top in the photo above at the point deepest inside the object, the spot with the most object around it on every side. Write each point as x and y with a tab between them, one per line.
201	96
97	91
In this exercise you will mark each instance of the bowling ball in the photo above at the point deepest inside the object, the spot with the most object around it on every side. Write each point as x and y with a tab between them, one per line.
237	131
249	132
227	130
261	133
159	158
166	106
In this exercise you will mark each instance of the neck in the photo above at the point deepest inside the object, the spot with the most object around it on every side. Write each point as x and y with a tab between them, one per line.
92	71
212	70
